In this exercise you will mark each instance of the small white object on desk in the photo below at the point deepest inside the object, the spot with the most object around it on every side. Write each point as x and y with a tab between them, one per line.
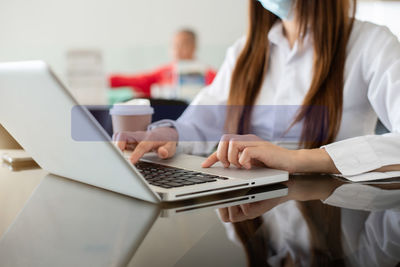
15	156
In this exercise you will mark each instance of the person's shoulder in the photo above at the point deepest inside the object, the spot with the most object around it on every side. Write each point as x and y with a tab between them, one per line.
372	47
369	42
236	48
371	35
238	45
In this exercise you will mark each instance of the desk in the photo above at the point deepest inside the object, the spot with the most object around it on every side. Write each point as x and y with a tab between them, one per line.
47	220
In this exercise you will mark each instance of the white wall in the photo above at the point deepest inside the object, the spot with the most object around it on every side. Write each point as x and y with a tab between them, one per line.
133	34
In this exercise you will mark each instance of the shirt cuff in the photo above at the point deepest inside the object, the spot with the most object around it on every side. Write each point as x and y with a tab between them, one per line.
159	124
352	196
184	134
363	197
353	156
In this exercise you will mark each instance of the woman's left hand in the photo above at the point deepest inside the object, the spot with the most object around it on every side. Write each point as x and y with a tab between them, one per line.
246	151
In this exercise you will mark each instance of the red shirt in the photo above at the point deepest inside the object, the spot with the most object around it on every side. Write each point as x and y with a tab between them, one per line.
141	83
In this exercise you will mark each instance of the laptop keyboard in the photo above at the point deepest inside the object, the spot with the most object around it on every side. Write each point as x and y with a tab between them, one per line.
170	177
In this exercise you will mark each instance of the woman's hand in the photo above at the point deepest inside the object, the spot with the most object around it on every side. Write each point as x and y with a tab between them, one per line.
246	151
161	140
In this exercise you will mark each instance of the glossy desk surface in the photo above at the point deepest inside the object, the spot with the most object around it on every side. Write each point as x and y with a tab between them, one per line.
47	220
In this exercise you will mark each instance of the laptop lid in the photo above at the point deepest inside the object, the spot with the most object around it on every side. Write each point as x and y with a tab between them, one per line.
36	109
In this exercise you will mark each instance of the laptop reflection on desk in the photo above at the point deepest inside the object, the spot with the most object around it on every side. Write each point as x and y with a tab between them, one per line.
81	225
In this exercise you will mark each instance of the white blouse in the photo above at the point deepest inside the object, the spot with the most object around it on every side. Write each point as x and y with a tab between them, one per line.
371	91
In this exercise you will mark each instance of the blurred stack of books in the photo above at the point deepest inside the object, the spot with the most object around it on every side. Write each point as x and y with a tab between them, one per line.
86	78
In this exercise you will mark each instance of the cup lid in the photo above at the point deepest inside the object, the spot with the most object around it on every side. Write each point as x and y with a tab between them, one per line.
133	107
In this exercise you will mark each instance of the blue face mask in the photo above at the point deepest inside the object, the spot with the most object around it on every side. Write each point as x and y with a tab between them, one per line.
281	8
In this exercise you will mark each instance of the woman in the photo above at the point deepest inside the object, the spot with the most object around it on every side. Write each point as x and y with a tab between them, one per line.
308	73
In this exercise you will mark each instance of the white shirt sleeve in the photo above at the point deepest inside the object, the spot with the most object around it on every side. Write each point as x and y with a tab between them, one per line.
381	70
201	126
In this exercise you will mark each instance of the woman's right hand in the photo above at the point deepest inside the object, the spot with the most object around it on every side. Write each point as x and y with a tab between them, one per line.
161	140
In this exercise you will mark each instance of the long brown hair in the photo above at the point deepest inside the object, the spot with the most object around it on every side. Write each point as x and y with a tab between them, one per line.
330	24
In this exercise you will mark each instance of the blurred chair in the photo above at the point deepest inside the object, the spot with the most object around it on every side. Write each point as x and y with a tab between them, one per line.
167	109
103	117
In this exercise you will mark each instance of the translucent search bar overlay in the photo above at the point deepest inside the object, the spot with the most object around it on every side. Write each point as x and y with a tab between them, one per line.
198	123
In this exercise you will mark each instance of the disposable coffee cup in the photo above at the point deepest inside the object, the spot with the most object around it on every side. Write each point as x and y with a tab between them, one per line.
131	116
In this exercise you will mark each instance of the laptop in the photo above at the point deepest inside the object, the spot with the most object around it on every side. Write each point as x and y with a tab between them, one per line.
35	107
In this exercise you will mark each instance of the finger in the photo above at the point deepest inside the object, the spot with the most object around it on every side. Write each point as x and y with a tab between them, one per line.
128	140
233	152
251	210
222	152
141	149
211	160
256	209
224	214
245	209
131	146
167	150
115	137
247	155
118	141
121	145
235	214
